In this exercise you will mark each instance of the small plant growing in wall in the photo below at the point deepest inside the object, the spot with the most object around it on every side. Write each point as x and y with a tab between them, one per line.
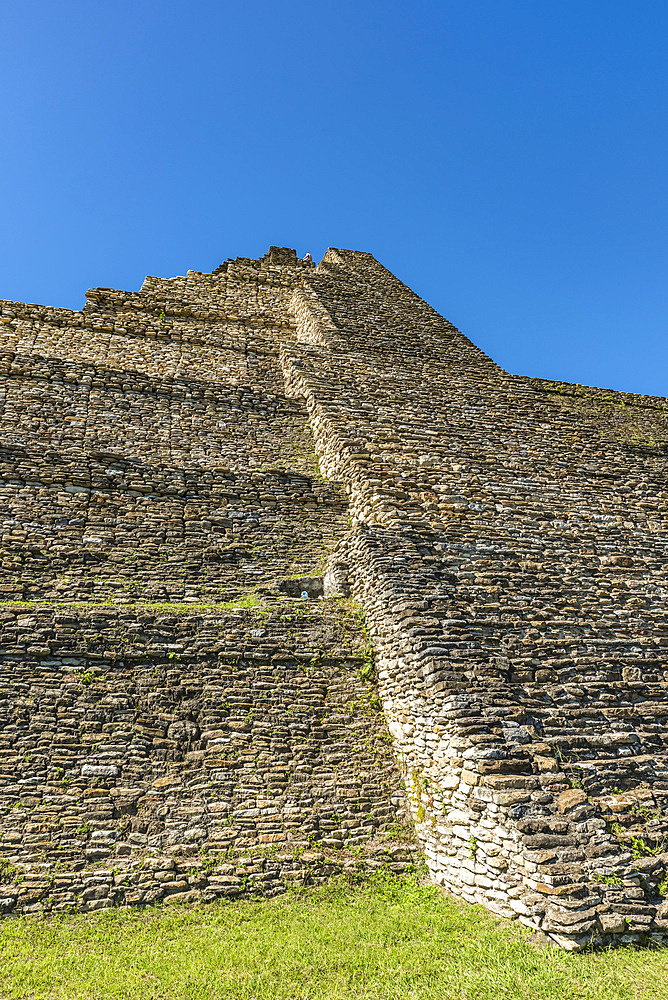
7	870
473	847
607	879
85	676
642	849
367	671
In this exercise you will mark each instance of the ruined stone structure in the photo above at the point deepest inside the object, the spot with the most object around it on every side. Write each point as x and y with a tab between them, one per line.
201	485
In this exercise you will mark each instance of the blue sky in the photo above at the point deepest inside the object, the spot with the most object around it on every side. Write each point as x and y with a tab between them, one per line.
507	160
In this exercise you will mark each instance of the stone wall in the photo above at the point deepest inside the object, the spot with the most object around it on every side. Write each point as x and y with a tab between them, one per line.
148	756
213	436
509	549
175	720
148	449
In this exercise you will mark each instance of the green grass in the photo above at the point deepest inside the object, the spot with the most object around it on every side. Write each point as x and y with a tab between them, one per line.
392	938
249	602
162	607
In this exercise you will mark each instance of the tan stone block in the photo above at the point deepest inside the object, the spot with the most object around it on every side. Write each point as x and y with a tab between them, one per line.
571	798
612	923
556	890
546	763
165	782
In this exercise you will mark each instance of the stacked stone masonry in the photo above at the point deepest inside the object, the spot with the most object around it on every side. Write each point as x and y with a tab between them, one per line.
179	464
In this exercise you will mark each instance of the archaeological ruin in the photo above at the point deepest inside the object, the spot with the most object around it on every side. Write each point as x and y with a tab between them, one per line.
295	581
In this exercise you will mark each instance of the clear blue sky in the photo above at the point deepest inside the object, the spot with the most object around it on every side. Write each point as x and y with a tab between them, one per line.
507	160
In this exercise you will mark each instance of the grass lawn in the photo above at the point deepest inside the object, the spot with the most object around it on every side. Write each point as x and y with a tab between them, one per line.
392	938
